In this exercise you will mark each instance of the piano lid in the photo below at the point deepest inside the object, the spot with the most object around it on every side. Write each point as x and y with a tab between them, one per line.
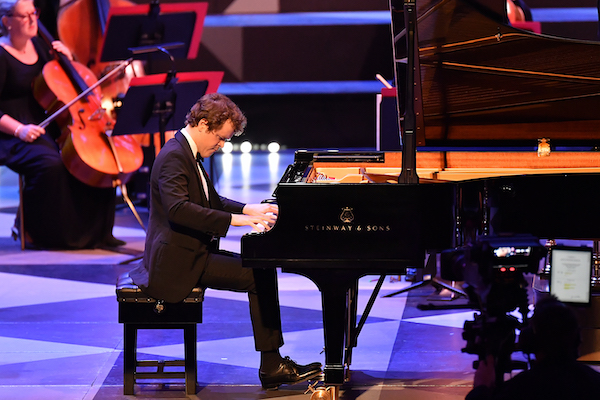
480	81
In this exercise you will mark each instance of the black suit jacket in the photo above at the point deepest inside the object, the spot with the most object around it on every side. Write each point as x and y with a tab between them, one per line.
182	224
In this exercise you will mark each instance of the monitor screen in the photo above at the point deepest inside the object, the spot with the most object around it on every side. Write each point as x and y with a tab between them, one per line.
571	274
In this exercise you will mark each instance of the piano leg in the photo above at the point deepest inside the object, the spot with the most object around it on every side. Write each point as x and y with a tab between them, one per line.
350	343
335	322
338	315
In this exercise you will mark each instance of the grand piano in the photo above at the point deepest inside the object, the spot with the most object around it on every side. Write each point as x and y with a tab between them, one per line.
500	131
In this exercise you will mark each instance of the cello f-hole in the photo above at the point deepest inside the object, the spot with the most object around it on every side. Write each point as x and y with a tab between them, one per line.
80	114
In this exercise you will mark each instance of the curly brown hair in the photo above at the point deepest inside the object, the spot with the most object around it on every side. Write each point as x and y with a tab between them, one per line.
216	109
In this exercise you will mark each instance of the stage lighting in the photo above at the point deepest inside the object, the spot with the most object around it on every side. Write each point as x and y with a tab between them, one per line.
273	147
227	148
246	147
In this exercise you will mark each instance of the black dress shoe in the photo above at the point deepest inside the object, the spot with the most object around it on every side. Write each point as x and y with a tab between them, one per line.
288	372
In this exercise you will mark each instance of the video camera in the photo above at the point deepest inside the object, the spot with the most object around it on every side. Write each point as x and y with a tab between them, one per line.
493	271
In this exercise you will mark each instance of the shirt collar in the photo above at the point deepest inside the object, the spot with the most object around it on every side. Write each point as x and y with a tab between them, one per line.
190	141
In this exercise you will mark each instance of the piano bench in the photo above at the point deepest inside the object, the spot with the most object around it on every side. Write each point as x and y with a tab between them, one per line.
140	311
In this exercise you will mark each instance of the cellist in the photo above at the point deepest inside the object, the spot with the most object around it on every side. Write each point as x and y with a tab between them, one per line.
60	212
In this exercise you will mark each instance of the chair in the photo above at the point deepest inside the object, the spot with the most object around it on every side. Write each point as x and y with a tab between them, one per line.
139	311
19	232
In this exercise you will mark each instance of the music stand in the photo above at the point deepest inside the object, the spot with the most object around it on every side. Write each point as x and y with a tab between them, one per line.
176	27
160	102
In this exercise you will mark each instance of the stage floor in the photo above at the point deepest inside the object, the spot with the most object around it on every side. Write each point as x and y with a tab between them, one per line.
60	338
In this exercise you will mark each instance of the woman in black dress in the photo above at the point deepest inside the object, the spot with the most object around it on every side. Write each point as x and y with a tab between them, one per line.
59	211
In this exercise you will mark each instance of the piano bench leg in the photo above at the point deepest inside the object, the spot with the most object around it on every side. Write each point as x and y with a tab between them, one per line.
131	364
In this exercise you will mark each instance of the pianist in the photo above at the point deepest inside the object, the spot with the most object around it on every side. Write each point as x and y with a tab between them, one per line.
187	216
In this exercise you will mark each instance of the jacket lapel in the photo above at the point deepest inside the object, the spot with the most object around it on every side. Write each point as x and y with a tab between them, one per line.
193	165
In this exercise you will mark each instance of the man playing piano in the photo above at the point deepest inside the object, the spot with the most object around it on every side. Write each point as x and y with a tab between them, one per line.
187	216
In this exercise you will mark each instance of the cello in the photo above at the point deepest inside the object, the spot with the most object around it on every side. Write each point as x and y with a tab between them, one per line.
87	149
81	25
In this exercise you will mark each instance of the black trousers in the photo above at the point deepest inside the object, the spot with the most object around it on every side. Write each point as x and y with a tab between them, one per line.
60	211
224	271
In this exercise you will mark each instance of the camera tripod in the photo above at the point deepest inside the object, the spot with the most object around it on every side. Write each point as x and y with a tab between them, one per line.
431	266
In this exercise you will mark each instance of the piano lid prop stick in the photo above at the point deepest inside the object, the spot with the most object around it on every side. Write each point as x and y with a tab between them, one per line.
382	80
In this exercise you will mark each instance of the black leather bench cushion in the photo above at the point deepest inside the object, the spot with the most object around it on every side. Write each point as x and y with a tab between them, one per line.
130	292
137	307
